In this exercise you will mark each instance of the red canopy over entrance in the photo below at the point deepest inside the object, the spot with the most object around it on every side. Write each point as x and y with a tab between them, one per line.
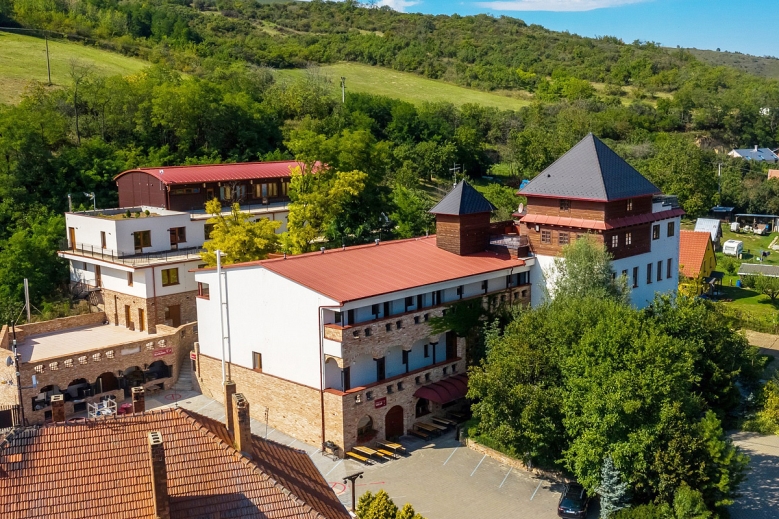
444	391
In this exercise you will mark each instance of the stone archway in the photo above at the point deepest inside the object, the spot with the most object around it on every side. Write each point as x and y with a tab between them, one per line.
393	423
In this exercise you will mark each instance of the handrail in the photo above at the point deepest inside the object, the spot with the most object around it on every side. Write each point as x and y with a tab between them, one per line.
133	258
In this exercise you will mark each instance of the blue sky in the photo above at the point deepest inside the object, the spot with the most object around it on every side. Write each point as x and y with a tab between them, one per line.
733	25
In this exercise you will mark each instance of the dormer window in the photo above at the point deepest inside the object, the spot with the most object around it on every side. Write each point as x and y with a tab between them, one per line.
629	204
565	205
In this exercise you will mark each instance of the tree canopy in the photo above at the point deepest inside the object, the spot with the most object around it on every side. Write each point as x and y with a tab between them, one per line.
238	236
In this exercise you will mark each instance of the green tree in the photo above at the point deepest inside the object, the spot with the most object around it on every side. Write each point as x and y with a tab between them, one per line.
613	491
689	504
410	216
505	199
584	269
238	237
380	506
767	285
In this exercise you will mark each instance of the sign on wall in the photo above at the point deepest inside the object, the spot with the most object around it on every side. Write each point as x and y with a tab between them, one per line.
164	351
380	402
193	355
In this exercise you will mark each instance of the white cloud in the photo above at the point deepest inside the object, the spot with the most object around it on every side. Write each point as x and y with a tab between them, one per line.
552	5
397	5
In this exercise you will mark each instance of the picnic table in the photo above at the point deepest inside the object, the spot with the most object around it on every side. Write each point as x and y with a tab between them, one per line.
444	421
427	427
368	451
394	447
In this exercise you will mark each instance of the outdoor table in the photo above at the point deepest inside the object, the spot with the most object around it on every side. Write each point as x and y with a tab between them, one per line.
395	447
368	451
436	426
427	427
444	421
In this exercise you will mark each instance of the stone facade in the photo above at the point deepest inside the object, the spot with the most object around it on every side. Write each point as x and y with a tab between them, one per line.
114	304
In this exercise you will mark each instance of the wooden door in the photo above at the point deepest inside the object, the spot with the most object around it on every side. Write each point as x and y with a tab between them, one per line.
451	345
393	423
98	277
174	314
128	320
141	320
174	240
72	237
102	240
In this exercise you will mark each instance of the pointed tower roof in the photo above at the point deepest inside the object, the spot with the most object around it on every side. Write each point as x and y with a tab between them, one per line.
463	199
590	171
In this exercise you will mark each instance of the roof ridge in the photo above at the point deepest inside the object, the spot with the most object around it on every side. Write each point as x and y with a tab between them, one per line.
217	164
595	141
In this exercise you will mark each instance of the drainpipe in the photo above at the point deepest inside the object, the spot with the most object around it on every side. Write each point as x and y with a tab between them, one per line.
221	312
154	293
321	329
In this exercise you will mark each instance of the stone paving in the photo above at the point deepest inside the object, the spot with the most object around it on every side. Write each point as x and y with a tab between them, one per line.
760	492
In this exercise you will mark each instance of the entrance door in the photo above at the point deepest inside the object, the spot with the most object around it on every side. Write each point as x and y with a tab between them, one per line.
393	423
174	314
128	320
451	345
98	277
72	237
141	320
174	239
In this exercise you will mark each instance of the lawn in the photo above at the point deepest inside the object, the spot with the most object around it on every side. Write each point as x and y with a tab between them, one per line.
407	87
23	60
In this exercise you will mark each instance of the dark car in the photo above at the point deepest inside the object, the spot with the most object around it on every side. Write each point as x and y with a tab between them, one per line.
573	502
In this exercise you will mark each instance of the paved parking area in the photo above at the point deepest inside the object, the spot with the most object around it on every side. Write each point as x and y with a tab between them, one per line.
760	492
441	479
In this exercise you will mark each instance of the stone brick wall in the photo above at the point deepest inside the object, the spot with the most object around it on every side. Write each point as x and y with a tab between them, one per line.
187	302
114	304
56	325
90	364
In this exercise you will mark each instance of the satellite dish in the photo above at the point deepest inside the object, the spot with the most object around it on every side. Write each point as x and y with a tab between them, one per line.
521	208
9	361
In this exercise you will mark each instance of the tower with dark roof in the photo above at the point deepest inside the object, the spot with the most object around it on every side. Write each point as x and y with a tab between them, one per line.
463	220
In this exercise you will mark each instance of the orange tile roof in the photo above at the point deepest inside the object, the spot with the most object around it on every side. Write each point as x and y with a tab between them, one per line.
221	172
692	251
101	468
371	270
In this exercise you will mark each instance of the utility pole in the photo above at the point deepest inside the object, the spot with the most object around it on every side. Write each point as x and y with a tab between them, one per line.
352	478
455	170
343	89
70	203
48	64
27	299
719	182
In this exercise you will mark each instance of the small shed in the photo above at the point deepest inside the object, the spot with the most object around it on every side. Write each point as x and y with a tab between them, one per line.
711	226
756	269
723	214
756	221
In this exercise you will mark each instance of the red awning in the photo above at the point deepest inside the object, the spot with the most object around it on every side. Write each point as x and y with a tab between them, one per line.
444	391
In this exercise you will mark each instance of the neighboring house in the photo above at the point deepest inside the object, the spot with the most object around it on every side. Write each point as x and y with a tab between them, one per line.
758	223
756	154
713	226
167	463
697	261
591	190
336	346
756	269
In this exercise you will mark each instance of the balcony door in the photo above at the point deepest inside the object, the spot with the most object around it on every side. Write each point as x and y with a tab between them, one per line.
72	237
451	345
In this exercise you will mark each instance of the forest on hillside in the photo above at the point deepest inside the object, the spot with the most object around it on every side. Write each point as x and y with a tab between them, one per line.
210	96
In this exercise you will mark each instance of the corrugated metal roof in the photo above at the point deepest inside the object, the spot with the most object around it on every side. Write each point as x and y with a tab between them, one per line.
220	172
590	171
758	154
709	225
371	270
692	251
463	199
754	269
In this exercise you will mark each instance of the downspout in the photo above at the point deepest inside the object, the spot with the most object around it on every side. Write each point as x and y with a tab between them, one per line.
154	294
321	328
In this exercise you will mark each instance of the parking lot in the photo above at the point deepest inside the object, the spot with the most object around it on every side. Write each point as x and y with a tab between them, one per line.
760	492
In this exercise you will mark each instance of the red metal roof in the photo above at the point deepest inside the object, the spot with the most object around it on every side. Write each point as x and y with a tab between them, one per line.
220	172
599	224
370	270
692	251
444	391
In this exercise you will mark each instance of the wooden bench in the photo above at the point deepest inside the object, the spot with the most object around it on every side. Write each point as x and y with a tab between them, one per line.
387	453
358	457
419	434
444	421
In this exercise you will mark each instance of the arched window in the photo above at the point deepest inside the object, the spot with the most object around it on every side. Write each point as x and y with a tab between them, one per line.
423	407
365	430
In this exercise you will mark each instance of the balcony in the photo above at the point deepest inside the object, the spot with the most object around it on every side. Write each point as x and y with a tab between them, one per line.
413	325
131	259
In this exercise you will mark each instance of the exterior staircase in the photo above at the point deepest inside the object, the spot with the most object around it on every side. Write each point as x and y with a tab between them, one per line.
184	383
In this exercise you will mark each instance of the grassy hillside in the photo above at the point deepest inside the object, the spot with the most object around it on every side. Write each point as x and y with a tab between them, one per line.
406	86
759	66
23	60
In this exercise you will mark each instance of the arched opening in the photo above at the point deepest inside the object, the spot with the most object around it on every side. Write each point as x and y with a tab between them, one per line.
106	382
43	399
77	390
158	369
131	377
393	423
422	407
365	430
333	375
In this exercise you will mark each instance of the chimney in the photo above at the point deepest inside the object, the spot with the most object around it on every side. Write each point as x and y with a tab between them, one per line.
139	400
159	476
242	435
57	409
756	148
229	392
463	221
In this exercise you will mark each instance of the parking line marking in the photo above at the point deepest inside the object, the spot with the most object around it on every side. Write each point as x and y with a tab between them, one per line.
208	404
293	441
507	476
477	466
332	469
450	456
534	493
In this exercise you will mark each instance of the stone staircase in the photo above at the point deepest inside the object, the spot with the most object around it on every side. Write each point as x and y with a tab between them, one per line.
184	383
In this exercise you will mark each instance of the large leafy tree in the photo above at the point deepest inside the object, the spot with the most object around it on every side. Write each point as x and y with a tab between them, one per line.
238	236
380	506
584	269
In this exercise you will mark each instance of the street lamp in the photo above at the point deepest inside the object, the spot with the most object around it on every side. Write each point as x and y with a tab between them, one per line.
352	478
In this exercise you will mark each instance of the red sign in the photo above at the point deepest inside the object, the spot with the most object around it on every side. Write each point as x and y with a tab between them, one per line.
193	355
164	351
380	402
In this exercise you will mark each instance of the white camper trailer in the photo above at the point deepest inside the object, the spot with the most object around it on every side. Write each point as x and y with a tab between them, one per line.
733	248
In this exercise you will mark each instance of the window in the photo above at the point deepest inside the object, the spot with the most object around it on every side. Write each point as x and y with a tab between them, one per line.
102	239
656	232
546	237
388	327
648	273
409	302
404	355
266	190
668	272
625	274
178	235
628	238
635	277
367	332
129	279
225	193
399	325
460	292
285	187
380	372
256	361
142	239
563	238
375	311
202	290
427	350
389	389
660	270
446	370
670	229
565	205
615	241
416	319
208	229
629	205
170	277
